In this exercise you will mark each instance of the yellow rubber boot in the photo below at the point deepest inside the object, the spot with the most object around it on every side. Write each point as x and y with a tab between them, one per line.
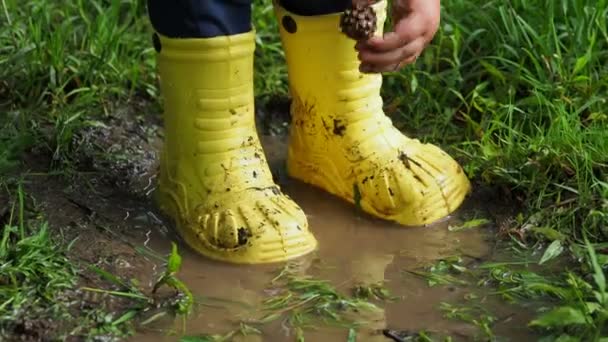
215	181
341	140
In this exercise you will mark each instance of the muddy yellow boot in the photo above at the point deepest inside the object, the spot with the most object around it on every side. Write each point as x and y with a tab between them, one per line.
341	140
215	181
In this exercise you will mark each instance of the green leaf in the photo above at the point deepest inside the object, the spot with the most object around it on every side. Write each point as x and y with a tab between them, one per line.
127	316
117	293
560	317
549	233
567	338
108	276
414	84
581	62
299	335
175	260
602	260
352	335
270	318
469	225
600	297
598	273
597	116
552	252
492	70
593	307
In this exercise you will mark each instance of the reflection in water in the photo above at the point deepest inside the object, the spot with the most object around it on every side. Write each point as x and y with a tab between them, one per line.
353	249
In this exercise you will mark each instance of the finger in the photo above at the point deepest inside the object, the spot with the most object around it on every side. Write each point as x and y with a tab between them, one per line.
406	30
392	57
388	68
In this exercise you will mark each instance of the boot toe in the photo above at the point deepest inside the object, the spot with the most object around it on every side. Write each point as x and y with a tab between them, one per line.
415	188
254	226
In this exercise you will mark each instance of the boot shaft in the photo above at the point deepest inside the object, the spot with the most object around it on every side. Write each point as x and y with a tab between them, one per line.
207	87
319	56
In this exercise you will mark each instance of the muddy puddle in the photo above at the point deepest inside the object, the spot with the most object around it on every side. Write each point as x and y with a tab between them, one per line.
108	210
354	249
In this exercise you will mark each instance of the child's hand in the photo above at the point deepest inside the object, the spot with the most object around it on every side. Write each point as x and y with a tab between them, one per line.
415	25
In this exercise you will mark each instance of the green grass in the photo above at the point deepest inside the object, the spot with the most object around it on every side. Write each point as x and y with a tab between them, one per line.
577	298
569	298
63	63
521	97
305	302
34	273
301	302
516	90
41	287
38	283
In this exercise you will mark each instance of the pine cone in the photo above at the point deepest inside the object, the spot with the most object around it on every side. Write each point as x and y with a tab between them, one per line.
359	21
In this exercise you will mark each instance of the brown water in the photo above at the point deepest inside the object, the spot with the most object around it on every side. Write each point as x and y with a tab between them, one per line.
353	248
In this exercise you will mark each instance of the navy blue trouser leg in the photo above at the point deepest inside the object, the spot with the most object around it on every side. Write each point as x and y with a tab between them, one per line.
200	18
315	7
212	18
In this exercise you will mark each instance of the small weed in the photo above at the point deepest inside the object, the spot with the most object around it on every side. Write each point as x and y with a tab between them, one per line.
304	302
474	315
14	140
243	330
572	304
373	291
579	302
38	286
174	263
181	304
35	275
444	272
420	336
471	224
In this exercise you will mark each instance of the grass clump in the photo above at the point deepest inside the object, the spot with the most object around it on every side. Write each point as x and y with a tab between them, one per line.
143	302
303	302
39	285
377	291
43	293
35	276
576	300
569	300
243	330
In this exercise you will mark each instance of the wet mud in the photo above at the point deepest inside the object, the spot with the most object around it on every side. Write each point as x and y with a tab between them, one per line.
109	209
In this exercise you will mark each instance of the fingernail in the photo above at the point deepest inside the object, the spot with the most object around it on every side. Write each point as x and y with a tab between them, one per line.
372	41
